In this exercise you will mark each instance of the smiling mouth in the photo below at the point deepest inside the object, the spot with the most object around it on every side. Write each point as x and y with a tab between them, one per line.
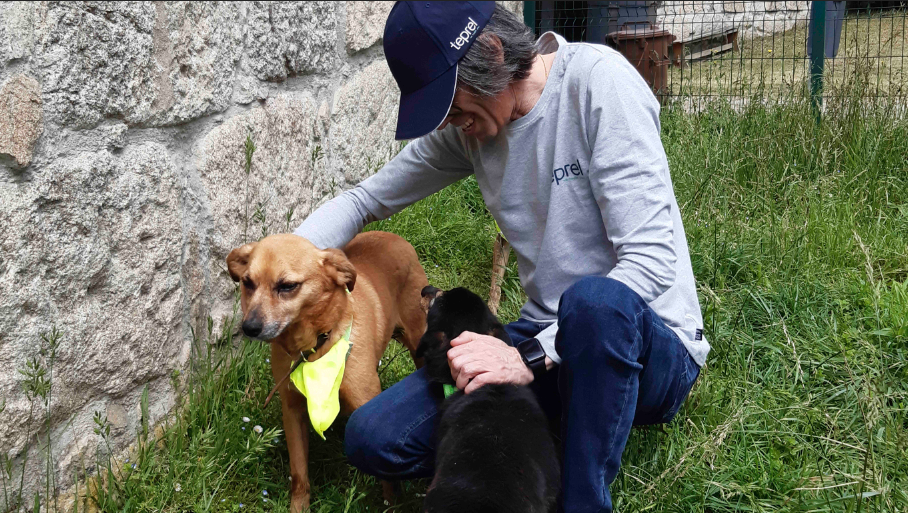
467	126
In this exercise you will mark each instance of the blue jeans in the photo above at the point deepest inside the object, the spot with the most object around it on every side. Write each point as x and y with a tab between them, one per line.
621	366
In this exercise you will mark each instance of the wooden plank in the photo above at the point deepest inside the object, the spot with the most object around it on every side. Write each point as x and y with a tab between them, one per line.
710	52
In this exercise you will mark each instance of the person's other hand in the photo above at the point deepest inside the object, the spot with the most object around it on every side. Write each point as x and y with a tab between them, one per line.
478	360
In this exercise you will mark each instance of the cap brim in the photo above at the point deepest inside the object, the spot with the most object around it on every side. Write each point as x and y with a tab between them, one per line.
424	110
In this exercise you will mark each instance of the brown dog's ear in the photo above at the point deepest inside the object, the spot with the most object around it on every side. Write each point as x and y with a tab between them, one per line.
339	268
238	260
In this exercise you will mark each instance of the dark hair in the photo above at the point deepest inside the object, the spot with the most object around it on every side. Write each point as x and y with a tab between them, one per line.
502	53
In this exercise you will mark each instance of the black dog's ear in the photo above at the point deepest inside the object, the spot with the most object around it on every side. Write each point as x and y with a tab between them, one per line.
433	347
429	292
499	333
429	341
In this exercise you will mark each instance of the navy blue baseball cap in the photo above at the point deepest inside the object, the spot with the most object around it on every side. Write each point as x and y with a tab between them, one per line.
423	42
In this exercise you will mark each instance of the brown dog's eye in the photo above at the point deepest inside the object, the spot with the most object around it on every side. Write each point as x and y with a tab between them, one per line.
286	287
248	284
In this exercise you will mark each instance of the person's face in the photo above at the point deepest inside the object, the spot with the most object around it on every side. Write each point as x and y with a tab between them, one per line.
479	117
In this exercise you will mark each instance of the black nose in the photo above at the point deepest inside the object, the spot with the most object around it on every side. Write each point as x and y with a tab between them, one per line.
252	327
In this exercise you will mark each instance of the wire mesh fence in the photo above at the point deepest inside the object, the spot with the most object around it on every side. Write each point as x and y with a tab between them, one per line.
694	51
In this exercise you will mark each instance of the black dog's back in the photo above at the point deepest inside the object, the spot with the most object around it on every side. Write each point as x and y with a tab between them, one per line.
495	453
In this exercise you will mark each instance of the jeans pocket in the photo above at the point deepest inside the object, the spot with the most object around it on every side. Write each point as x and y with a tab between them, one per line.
691	373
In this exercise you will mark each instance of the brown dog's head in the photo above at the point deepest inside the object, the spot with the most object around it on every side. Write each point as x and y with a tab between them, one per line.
290	291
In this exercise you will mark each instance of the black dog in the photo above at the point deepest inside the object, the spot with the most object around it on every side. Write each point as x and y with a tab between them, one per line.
495	453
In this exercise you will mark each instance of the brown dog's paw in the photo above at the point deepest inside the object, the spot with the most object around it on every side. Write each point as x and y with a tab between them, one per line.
389	494
299	495
299	504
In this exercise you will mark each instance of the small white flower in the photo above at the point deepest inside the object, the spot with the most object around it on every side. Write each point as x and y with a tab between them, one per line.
177	487
243	428
268	360
265	492
257	429
133	466
241	504
264	500
245	419
223	500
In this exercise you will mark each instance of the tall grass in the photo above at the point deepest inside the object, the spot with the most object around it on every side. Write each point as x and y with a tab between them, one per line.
798	240
797	234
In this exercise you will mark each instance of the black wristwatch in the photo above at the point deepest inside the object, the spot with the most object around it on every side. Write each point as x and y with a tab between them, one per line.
533	356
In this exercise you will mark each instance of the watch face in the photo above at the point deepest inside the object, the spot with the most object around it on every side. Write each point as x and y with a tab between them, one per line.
531	349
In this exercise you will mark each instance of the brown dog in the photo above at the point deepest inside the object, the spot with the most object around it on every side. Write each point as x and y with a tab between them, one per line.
294	296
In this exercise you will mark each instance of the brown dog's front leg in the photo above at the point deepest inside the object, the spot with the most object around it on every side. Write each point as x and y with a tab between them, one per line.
296	429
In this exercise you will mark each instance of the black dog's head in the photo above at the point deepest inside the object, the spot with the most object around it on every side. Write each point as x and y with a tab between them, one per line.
450	314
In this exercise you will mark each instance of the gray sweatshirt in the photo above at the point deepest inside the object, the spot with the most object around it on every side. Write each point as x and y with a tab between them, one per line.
585	191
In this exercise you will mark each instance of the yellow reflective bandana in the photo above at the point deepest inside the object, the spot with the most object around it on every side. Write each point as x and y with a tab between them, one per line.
320	382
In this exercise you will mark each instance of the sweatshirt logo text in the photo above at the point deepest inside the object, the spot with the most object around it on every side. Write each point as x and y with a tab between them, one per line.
465	35
567	172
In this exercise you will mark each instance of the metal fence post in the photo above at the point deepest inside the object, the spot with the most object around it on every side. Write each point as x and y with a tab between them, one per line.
817	36
529	15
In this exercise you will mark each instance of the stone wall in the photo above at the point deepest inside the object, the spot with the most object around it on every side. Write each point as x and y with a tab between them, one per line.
122	182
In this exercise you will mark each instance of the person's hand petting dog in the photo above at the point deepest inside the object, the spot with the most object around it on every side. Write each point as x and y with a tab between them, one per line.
478	360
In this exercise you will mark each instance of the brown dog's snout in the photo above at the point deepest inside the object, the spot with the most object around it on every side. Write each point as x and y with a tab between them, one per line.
252	325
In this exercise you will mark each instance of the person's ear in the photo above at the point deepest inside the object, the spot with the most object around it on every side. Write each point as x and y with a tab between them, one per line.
495	43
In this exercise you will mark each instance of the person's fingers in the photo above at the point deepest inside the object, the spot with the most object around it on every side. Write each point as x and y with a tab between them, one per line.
485	378
461	381
468	372
454	352
459	361
463	338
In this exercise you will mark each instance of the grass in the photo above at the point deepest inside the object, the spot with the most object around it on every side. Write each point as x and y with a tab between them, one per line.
873	50
797	235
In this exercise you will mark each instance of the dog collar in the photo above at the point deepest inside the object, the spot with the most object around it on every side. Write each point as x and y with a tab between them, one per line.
449	390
